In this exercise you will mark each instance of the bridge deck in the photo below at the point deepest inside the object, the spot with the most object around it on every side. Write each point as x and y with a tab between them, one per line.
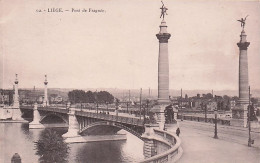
124	118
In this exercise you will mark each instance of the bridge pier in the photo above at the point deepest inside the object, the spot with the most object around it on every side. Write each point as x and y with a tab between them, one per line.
73	130
17	114
36	119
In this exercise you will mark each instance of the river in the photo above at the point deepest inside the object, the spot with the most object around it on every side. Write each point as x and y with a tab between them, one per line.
17	138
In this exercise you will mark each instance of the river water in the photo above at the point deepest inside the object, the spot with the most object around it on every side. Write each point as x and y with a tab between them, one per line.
17	138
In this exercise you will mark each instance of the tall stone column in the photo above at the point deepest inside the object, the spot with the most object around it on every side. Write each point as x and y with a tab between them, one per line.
45	101
239	112
163	64
243	70
36	119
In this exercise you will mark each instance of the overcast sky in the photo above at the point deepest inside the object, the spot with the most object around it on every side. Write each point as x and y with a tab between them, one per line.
118	48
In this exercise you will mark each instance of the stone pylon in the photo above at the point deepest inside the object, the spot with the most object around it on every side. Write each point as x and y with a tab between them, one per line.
17	114
239	113
163	64
45	101
16	95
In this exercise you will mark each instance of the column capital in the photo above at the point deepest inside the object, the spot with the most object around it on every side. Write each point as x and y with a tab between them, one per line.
243	45
163	37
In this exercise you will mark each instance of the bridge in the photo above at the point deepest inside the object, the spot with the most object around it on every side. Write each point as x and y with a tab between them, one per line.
86	121
159	145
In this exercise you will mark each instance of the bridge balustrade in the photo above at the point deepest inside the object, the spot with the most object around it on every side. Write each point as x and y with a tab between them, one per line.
127	120
171	154
223	121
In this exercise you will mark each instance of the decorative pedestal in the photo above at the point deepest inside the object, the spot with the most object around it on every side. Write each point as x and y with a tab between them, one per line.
239	116
160	115
149	148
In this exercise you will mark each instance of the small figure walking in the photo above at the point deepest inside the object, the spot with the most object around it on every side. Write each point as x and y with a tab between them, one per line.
178	131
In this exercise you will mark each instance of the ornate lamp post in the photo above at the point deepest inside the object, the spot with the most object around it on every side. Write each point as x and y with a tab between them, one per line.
140	102
216	122
249	124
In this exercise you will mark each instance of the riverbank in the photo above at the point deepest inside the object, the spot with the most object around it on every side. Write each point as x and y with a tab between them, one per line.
13	121
95	138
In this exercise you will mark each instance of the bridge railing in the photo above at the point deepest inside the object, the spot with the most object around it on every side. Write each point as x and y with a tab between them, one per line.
114	118
172	154
111	108
222	121
54	109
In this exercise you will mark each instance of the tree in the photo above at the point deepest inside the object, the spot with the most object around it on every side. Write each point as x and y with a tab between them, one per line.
89	97
228	106
77	96
51	148
104	97
208	96
254	101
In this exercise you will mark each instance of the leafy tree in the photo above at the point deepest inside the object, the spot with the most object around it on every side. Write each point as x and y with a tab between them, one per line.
51	148
254	101
228	106
208	96
78	96
104	97
89	97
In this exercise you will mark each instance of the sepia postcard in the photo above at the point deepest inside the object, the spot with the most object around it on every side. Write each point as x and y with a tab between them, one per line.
109	81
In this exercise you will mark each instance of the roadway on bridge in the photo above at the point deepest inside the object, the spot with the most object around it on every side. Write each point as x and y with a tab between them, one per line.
112	113
199	146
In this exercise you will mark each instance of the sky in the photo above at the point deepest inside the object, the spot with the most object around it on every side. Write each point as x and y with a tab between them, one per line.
117	48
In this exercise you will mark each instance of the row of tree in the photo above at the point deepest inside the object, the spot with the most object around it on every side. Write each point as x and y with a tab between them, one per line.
80	96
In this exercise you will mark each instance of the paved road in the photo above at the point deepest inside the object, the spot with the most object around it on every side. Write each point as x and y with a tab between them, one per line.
199	146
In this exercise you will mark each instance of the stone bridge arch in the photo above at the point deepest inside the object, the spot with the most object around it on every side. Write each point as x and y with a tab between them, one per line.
61	116
120	126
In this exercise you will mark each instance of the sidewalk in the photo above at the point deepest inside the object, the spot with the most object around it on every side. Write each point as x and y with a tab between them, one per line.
199	146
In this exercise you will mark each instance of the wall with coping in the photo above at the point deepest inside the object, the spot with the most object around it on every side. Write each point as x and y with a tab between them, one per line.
165	147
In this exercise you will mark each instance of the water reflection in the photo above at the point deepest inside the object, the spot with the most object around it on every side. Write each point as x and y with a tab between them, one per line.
26	132
18	138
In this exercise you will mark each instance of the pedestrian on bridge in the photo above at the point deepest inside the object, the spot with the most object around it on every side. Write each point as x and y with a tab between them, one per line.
178	131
